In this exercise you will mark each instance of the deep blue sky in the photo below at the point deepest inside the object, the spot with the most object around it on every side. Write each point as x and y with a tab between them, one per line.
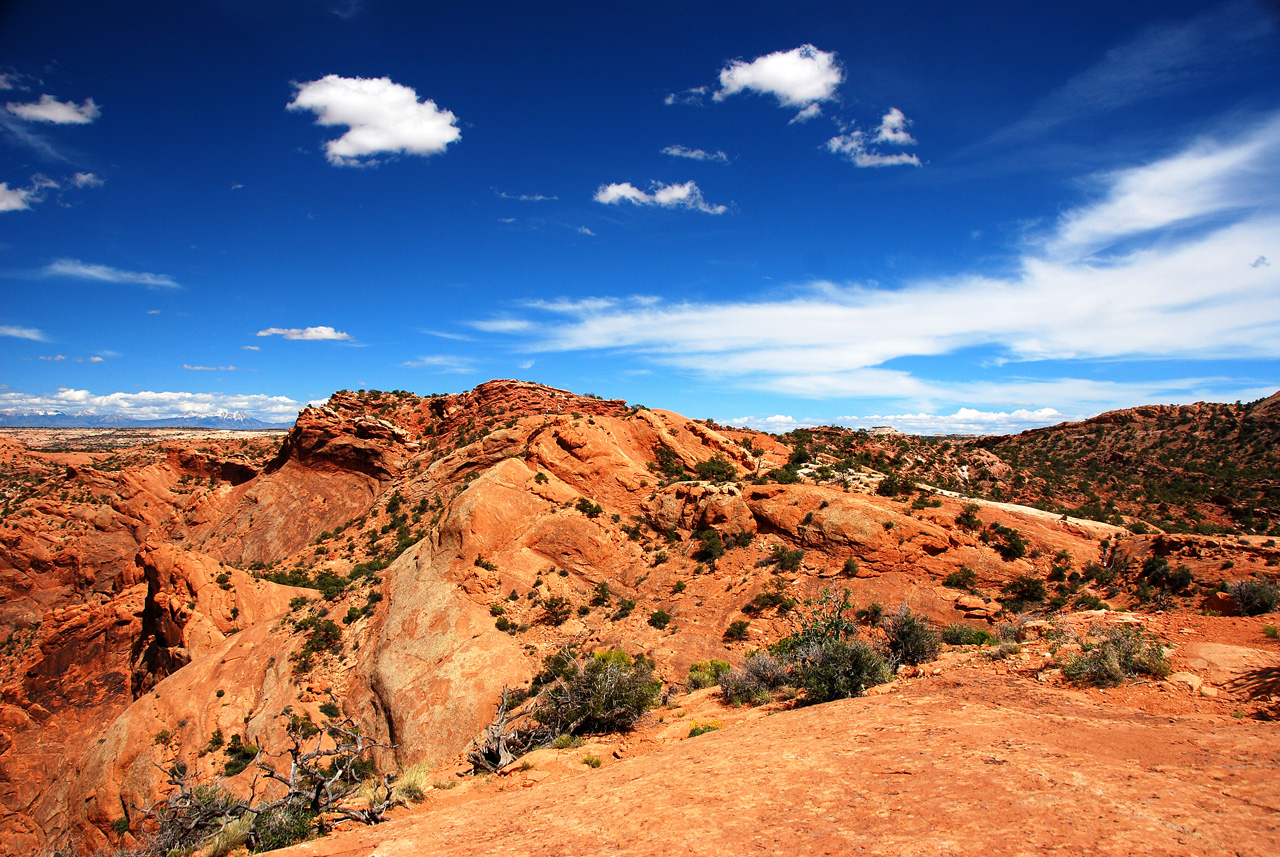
938	217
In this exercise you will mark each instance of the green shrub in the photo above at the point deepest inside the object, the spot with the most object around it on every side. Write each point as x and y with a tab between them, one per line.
591	761
909	639
737	630
717	469
1023	590
1271	632
1115	655
968	518
964	579
711	546
894	485
785	559
831	616
957	634
121	825
838	669
659	618
1256	596
703	728
283	826
1010	545
706	673
850	567
328	709
556	610
586	507
606	692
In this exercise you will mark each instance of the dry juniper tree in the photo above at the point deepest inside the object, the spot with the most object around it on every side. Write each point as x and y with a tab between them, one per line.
311	786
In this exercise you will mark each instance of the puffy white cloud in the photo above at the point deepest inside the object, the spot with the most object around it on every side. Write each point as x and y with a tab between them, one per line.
686	195
717	156
893	129
106	274
87	180
382	117
96	359
22	332
14	199
50	109
309	334
853	146
149	405
797	78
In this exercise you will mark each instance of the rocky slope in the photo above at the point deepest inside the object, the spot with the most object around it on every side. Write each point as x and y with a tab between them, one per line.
159	598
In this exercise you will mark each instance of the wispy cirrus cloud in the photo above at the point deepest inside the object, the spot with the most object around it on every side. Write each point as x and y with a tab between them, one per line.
716	157
1158	266
321	333
686	195
191	368
383	117
106	274
442	363
524	197
17	332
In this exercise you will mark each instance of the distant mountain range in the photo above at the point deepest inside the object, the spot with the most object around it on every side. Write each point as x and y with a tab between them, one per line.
233	420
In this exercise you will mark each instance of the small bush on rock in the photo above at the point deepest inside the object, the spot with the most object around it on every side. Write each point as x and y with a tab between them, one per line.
909	639
606	692
1115	655
1256	596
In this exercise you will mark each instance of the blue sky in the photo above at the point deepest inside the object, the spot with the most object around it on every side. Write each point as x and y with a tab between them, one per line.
940	218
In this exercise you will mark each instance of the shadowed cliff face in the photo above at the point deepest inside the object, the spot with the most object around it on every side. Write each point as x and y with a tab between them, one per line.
172	590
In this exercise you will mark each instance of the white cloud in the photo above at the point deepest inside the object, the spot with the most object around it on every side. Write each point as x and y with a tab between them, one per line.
686	195
14	199
97	359
893	129
687	96
106	274
797	78
717	156
22	332
8	81
53	358
250	347
151	405
1185	293
853	146
963	421
1207	180
208	368
442	363
501	325
309	334
87	180
585	231
50	109
813	111
524	197
382	117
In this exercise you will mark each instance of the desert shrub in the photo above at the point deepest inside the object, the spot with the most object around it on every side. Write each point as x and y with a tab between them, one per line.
328	709
1023	590
606	692
850	567
1256	596
751	683
909	639
503	624
1271	632
283	826
872	614
894	485
1010	544
1115	655
838	669
566	742
965	579
831	616
766	600
737	630
600	596
717	469
659	618
957	634
711	546
556	610
706	673
780	475
591	761
968	517
703	728
625	606
586	507
1089	601
1004	650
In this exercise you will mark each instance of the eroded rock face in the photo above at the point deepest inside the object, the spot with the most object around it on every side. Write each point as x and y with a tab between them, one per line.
136	606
